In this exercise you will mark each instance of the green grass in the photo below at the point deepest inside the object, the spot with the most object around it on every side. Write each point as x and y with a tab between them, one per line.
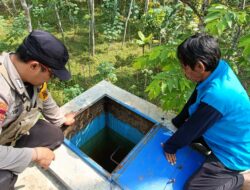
84	67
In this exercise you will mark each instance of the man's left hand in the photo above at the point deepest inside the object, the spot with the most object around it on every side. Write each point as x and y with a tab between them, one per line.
171	158
69	118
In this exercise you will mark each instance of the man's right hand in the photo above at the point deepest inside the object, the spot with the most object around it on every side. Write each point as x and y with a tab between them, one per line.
43	156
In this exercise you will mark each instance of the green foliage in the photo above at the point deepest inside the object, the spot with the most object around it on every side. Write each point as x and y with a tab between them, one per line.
3	26
39	15
221	18
168	83
39	12
112	31
113	26
179	23
244	43
109	8
2	23
144	40
157	74
153	21
244	62
135	12
72	9
107	71
231	25
124	61
70	91
17	29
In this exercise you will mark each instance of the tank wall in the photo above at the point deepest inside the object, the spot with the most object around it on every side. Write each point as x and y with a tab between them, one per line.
107	105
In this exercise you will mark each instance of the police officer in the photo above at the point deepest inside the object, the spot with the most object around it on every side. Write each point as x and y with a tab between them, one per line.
24	138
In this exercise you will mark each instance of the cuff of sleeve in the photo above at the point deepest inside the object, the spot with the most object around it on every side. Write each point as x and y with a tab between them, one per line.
169	149
63	121
26	160
60	121
174	121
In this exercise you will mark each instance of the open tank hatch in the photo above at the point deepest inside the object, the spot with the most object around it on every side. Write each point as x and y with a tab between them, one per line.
106	132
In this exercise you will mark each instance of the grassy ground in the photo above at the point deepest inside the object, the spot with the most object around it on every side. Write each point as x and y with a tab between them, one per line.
84	68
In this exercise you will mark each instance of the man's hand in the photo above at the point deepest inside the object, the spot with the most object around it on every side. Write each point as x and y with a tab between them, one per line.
246	176
69	118
171	158
43	156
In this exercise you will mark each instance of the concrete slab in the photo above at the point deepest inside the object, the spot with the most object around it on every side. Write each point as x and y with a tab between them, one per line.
68	171
34	178
68	167
75	173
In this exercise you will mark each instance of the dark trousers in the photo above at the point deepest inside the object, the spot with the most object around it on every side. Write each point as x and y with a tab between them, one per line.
213	175
42	134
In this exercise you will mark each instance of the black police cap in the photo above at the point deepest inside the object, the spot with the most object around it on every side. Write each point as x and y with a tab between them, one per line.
48	50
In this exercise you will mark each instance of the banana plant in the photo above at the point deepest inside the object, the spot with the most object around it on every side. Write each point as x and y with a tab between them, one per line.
143	41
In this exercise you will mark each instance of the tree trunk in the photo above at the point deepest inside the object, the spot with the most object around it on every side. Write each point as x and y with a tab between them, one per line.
92	27
61	29
126	23
124	7
199	14
143	49
115	8
237	34
146	6
14	5
5	4
27	14
59	22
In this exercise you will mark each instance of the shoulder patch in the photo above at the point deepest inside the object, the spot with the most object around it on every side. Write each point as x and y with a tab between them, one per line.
3	110
43	94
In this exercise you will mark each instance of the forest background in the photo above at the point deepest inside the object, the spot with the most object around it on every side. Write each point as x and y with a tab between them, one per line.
131	43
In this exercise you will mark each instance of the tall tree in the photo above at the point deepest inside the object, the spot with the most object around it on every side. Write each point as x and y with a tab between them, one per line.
59	21
238	32
91	5
126	23
14	4
146	6
199	13
27	14
5	4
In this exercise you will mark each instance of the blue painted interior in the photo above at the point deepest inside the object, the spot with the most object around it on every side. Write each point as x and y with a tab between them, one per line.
124	129
90	131
106	120
145	167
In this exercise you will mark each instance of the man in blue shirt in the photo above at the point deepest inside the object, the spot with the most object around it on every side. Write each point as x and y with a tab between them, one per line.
217	114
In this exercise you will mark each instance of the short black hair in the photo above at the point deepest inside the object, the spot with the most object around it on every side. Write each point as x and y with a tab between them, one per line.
199	47
23	54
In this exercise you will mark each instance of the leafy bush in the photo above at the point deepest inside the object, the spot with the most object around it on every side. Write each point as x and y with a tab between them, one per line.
63	92
107	71
71	92
113	30
168	84
18	28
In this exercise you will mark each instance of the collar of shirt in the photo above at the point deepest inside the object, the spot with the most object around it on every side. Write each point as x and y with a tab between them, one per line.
222	66
15	77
